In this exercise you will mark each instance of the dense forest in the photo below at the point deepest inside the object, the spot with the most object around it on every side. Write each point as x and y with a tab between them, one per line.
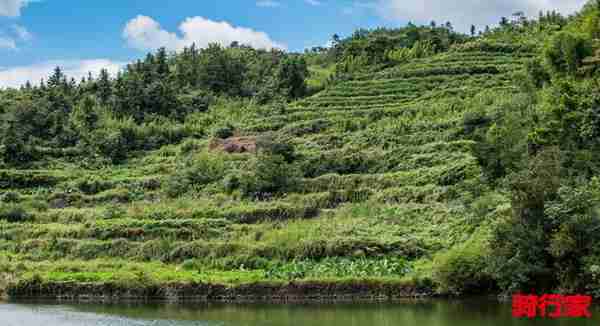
416	155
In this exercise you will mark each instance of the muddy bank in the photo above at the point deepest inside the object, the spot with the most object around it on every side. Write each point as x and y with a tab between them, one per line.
202	292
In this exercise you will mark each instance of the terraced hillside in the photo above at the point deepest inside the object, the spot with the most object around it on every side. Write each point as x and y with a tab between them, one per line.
383	178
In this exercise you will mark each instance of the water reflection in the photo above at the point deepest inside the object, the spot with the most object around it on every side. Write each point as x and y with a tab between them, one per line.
417	313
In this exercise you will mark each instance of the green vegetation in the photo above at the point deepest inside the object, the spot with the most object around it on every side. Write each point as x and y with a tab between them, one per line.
415	155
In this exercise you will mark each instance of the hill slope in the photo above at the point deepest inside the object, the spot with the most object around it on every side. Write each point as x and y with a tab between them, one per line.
388	179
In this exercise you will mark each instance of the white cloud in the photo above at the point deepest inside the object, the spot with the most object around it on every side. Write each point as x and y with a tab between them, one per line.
12	8
268	3
144	33
7	43
17	76
463	13
22	33
313	2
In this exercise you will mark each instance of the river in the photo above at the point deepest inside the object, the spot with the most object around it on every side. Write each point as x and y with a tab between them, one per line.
409	313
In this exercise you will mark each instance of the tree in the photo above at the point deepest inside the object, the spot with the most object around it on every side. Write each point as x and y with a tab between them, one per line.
104	87
335	40
56	78
84	117
162	66
565	52
473	30
520	259
14	147
290	77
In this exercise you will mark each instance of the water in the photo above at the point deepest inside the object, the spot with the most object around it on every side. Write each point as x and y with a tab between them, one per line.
422	313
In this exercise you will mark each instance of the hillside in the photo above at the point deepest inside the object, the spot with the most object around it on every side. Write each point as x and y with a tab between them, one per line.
399	175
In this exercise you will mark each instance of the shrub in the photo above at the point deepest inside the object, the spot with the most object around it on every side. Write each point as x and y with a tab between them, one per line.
268	175
565	52
231	183
65	199
176	186
223	132
190	146
10	197
111	144
113	212
92	185
462	269
270	145
195	102
14	213
199	172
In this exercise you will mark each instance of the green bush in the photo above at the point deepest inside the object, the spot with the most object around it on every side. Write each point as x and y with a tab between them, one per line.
113	211
462	269
112	144
267	175
223	132
269	144
231	183
565	52
10	197
14	213
197	173
92	185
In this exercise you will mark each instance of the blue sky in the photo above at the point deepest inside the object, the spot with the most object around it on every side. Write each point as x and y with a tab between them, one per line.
82	36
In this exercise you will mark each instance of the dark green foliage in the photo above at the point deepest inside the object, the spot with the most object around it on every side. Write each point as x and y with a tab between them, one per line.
290	77
85	116
14	149
270	144
536	75
231	182
565	52
268	175
223	132
14	213
93	185
10	197
368	50
520	243
27	179
500	129
462	270
197	173
113	144
575	239
194	102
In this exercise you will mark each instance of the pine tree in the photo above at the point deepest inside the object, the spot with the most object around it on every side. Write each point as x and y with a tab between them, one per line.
56	78
162	66
104	87
449	26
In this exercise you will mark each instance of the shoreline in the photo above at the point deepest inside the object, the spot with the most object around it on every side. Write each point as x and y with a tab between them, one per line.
261	292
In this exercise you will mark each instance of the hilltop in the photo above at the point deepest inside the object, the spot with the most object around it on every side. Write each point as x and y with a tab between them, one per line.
398	162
